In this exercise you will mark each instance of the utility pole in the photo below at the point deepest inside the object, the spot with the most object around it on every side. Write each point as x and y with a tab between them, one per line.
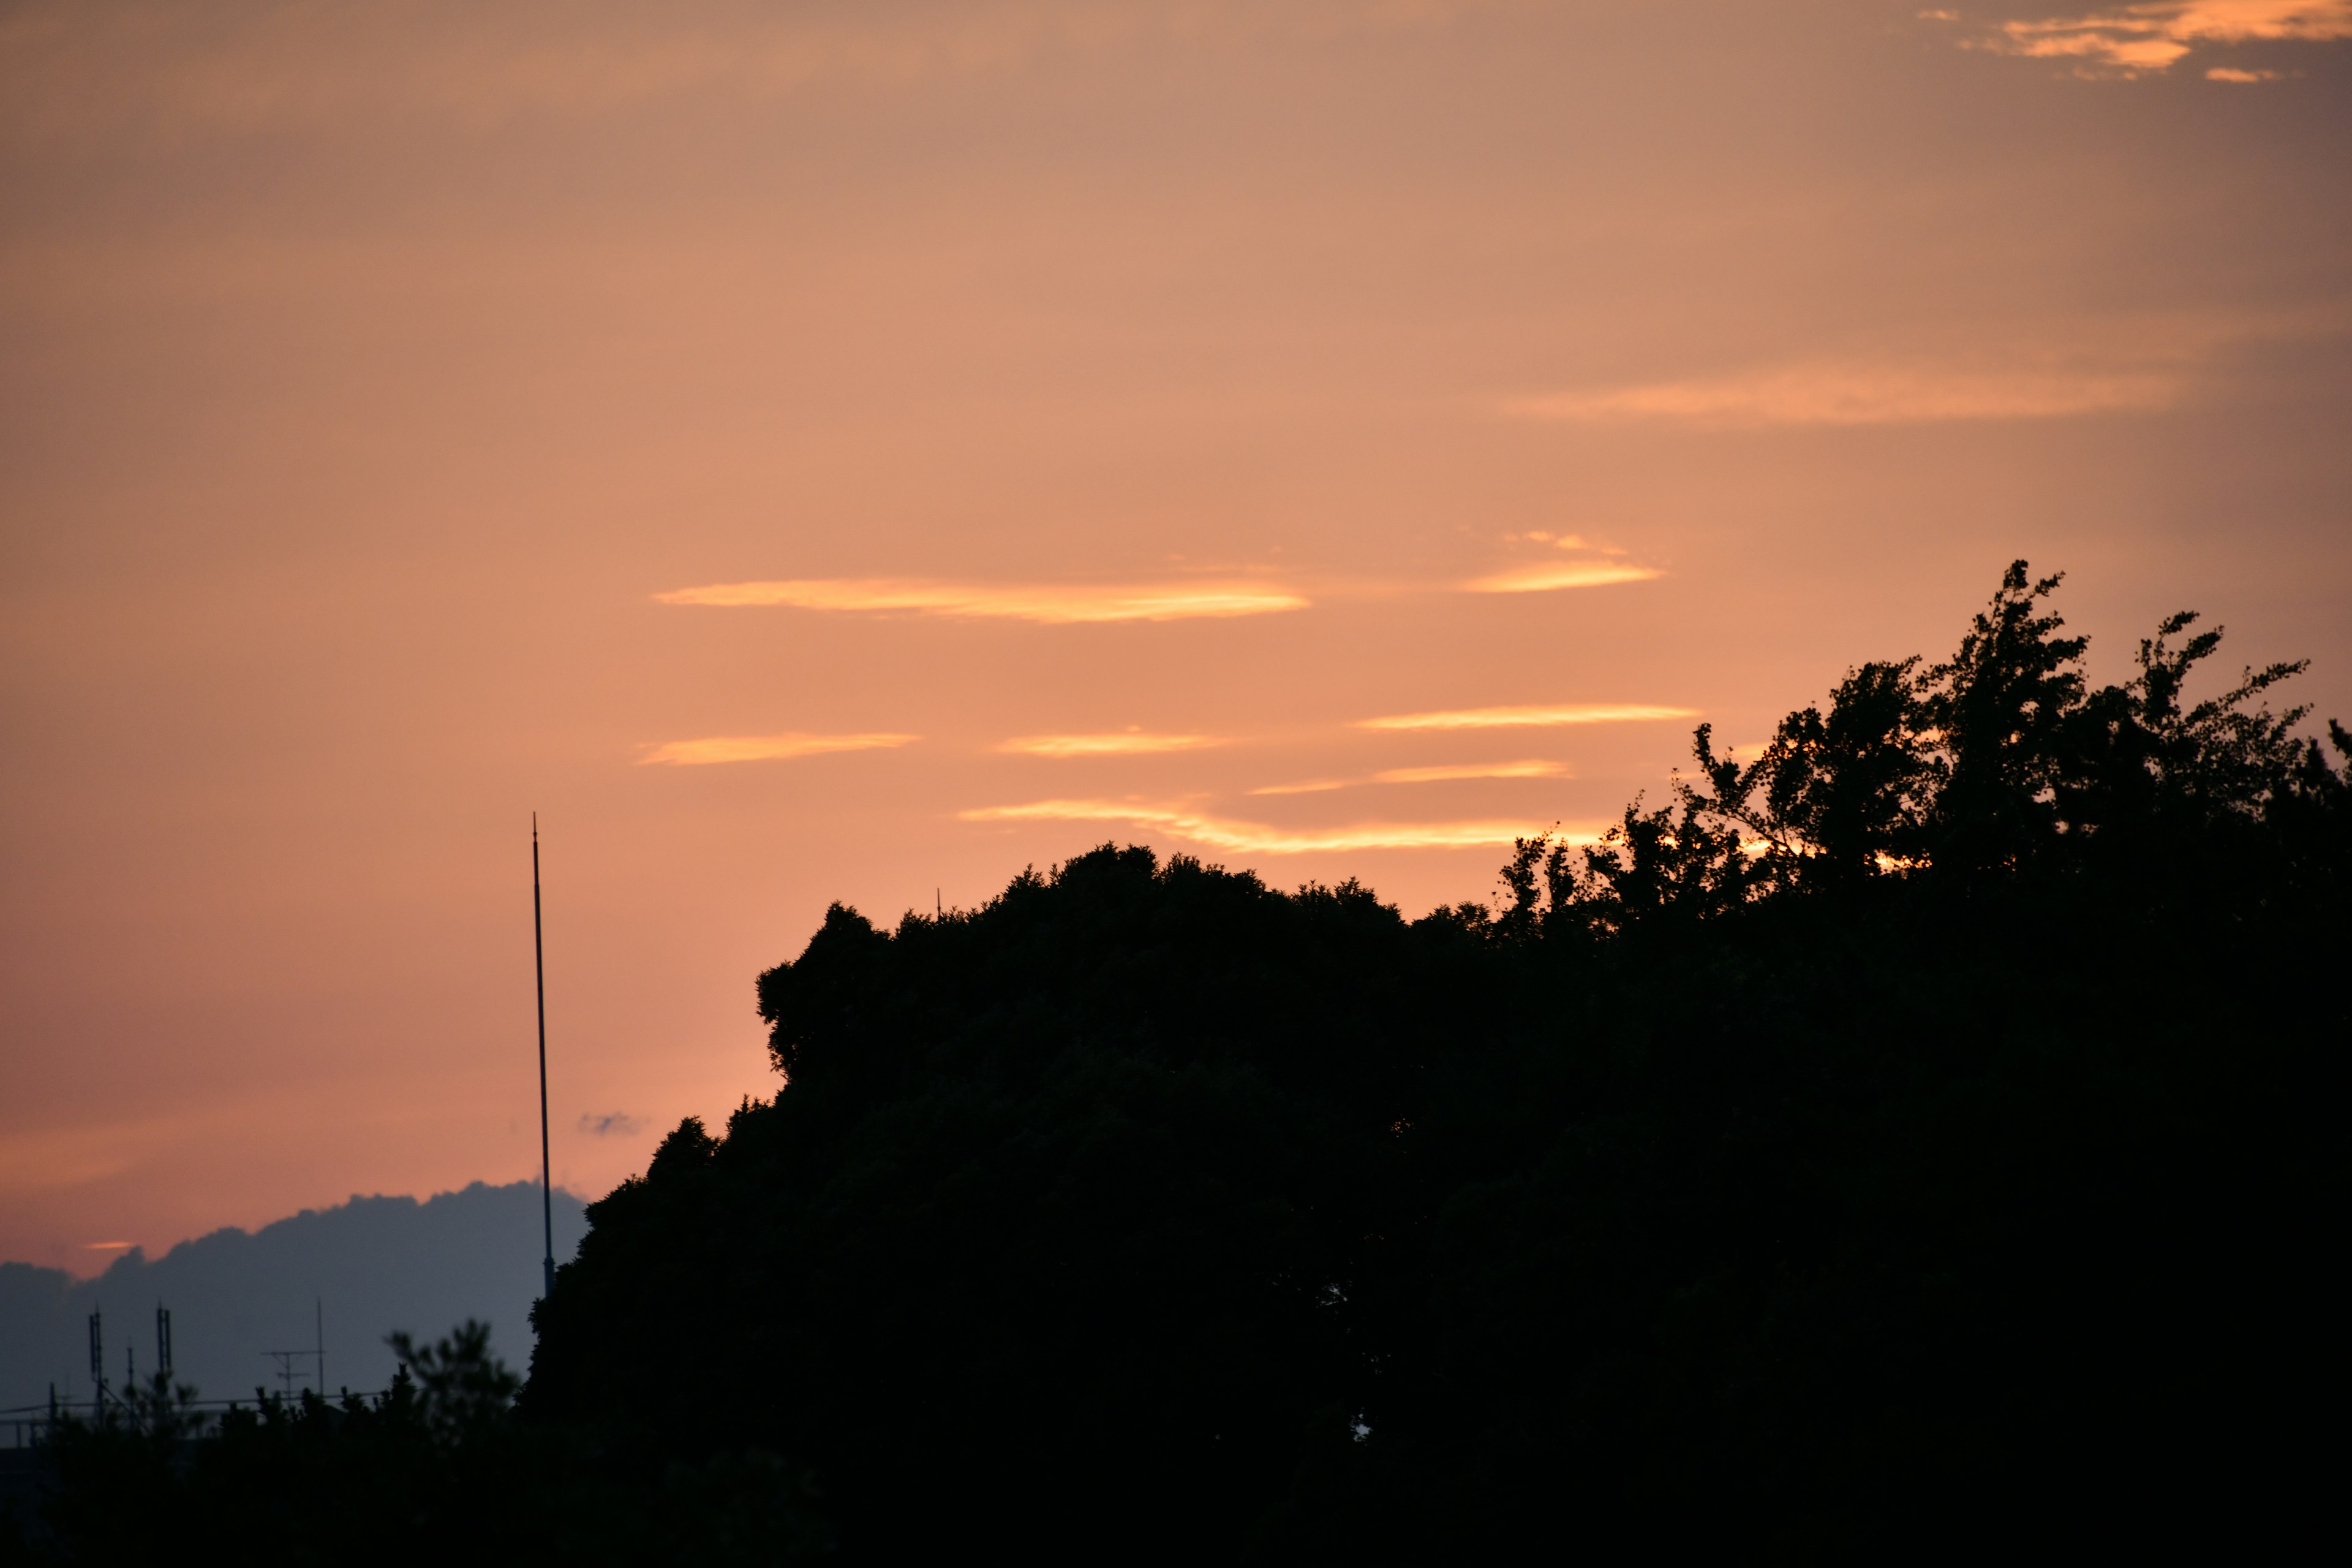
538	967
97	1372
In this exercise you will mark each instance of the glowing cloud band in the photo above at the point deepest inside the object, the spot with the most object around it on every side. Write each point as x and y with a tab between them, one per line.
1527	718
1548	575
1257	839
1531	768
1119	744
1867	394
1050	603
765	748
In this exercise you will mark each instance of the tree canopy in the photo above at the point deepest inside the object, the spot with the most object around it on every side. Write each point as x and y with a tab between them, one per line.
1920	1126
1922	1133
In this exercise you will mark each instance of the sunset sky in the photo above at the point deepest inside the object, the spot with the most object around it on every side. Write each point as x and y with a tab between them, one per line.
811	451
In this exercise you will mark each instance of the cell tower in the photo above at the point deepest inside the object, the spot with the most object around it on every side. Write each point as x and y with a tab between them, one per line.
289	1366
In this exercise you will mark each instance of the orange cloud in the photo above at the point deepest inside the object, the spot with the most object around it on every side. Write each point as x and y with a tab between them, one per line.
1546	575
1862	393
1530	768
1257	839
1053	604
1118	743
1305	786
765	748
2129	39
1525	718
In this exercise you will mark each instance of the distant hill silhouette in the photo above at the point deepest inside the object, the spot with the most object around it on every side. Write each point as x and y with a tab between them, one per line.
380	1263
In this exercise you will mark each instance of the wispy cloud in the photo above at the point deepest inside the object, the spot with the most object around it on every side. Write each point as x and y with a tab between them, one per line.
765	748
1529	768
1258	838
1525	718
1867	393
612	1124
1544	576
1114	743
1054	603
2126	40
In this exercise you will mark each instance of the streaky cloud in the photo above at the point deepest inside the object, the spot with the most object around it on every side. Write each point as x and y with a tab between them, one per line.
1523	718
1115	743
1258	838
1544	577
1530	768
1526	768
1305	786
1863	394
765	748
1051	603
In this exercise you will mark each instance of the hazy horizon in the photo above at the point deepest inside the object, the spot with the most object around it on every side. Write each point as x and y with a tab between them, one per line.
354	1272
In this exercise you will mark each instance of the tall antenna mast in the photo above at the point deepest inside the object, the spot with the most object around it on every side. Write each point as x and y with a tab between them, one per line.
538	964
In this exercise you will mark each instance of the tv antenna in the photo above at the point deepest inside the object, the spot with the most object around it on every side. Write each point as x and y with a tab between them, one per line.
290	1362
538	969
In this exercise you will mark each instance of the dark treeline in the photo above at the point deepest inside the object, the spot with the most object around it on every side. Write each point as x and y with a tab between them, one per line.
1920	1137
435	1469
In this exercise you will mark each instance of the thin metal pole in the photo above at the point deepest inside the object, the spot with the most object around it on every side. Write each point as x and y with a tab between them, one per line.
538	965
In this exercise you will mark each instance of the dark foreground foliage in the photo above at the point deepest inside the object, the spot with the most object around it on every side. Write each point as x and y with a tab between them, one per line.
1921	1138
1922	1132
436	1469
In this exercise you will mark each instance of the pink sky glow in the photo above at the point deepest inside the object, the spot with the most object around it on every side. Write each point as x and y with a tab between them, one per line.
859	451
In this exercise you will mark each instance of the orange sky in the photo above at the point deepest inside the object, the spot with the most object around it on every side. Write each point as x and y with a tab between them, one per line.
850	450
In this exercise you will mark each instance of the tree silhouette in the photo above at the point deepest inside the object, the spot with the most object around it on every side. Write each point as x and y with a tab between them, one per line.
1918	1137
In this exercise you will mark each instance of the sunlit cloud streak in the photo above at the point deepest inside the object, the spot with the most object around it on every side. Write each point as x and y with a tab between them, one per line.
1307	786
1856	394
1526	717
1258	838
1591	566
1528	768
1053	604
766	748
1115	743
1545	576
2128	39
